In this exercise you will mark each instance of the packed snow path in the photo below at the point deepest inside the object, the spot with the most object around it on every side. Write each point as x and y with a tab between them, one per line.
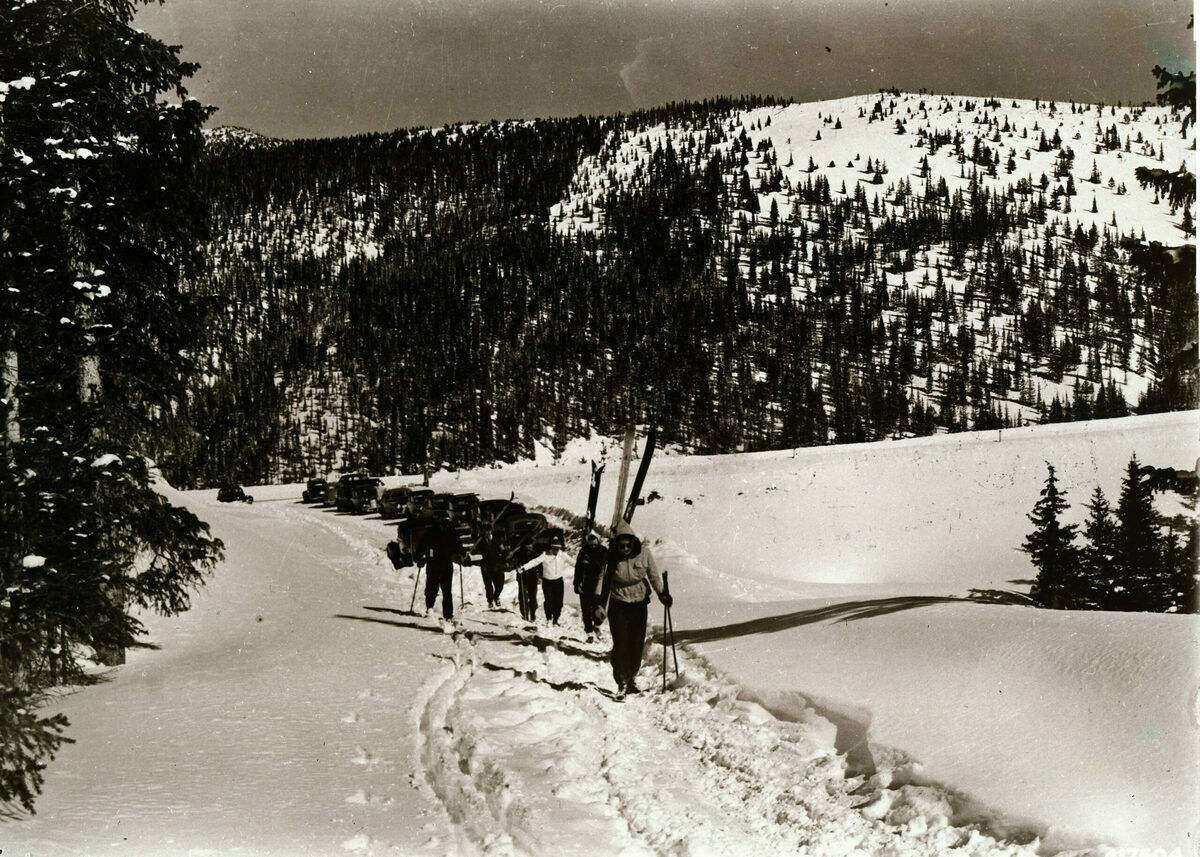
530	754
298	708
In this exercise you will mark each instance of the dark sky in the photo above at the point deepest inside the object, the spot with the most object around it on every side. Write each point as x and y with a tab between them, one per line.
311	68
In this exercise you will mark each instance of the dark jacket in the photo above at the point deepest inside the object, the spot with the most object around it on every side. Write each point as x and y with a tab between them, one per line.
441	546
589	566
490	554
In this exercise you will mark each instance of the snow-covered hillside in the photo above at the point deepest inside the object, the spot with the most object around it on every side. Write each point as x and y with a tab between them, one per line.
1075	163
840	693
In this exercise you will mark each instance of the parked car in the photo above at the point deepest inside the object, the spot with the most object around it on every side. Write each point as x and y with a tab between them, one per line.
393	502
516	532
464	511
331	490
347	488
407	546
362	496
440	504
315	491
233	493
489	509
417	497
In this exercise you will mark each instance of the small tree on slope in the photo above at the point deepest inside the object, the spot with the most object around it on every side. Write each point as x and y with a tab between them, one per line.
98	221
1100	535
1052	548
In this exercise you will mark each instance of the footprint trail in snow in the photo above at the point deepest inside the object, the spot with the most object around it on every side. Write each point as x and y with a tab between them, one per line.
530	755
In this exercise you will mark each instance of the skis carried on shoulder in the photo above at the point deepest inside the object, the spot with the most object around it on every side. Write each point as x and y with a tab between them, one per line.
623	478
589	520
625	506
635	493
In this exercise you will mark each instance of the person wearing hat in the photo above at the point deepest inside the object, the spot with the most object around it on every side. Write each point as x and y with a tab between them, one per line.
553	566
589	568
630	575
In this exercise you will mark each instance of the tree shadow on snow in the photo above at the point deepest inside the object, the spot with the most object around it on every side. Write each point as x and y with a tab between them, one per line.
843	611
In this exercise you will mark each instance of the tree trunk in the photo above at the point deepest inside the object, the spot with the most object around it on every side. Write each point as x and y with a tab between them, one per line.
8	389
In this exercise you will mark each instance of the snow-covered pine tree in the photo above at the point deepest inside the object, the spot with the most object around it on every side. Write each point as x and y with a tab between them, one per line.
1051	546
99	221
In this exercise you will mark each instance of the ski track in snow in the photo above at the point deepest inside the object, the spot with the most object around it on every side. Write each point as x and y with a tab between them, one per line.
522	730
521	742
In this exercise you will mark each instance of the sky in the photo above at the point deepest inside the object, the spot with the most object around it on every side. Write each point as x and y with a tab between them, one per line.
321	68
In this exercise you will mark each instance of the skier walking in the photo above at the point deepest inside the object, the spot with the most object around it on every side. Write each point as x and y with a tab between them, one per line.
630	575
441	548
589	568
491	566
553	566
527	584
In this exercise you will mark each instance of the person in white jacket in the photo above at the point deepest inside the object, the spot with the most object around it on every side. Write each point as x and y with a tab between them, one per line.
554	566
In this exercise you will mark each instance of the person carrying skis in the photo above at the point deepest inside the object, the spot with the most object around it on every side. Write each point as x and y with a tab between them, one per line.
630	574
589	568
441	548
491	566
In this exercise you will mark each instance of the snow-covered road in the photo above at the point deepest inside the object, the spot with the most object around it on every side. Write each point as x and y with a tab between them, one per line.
299	708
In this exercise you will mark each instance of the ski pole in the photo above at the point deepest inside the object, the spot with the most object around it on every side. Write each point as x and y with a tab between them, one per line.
664	656
413	603
669	628
462	593
674	654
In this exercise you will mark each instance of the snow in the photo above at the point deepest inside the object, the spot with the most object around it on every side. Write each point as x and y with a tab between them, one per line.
838	693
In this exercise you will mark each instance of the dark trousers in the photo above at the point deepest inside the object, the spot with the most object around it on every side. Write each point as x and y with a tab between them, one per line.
553	592
587	606
627	624
527	581
440	577
493	582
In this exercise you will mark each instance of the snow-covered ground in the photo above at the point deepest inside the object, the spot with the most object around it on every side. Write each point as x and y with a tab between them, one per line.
839	693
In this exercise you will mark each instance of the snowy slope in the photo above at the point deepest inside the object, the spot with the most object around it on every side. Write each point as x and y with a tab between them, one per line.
836	576
895	148
872	713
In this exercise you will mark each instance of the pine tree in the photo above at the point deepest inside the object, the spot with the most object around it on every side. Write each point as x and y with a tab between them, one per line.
1141	571
100	219
1100	533
1051	546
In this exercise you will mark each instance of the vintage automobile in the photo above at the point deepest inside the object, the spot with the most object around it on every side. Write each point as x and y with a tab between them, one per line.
350	496
417	498
362	496
231	492
518	532
489	509
331	489
393	502
315	491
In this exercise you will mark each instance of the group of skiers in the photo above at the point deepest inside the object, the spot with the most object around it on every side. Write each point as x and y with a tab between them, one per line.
612	583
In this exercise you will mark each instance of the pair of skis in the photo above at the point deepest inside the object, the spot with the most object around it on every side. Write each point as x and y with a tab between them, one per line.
625	506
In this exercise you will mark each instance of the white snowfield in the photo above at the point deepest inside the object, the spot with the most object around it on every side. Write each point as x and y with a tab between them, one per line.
839	694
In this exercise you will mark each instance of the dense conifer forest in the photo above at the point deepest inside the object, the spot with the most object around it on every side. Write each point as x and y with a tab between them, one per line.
454	296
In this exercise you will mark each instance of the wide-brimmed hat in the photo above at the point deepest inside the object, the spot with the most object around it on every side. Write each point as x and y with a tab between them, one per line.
630	541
